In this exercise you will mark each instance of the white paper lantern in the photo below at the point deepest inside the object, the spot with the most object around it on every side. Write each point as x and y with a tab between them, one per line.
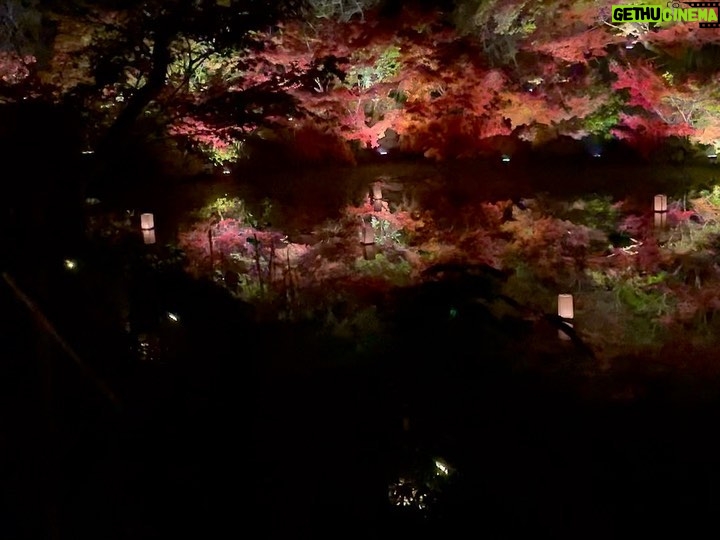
660	203
367	235
147	222
565	306
149	236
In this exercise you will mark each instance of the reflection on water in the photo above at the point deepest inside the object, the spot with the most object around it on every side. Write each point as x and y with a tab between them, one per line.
301	324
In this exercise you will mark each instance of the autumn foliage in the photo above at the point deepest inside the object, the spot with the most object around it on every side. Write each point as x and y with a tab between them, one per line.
449	83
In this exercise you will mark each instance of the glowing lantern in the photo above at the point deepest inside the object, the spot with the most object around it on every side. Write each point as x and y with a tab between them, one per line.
149	236
566	312
660	207
660	203
565	306
147	222
367	234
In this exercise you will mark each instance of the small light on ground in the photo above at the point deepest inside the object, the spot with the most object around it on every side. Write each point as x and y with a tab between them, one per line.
173	317
597	155
86	152
226	170
70	264
382	151
442	468
506	158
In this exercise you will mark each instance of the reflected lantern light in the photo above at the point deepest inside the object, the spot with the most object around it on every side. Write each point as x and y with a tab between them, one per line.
149	236
660	211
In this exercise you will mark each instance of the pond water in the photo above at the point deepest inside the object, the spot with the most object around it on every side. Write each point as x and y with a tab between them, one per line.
153	404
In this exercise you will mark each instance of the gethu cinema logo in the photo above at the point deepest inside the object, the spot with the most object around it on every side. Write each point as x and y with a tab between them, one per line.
706	13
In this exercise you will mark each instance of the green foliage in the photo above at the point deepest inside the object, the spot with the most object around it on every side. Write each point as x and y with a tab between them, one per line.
604	119
500	25
198	64
641	295
398	273
385	233
712	196
227	208
640	301
596	212
385	67
221	155
525	284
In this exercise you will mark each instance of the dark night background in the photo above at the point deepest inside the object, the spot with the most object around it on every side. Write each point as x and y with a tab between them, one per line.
202	385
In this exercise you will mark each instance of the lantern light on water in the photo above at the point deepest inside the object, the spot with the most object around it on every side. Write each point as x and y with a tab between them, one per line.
149	236
660	219
660	208
147	222
660	203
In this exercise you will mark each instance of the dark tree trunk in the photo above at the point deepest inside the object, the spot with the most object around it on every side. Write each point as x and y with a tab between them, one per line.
123	124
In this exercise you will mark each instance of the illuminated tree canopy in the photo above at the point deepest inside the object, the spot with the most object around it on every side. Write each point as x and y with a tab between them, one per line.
322	80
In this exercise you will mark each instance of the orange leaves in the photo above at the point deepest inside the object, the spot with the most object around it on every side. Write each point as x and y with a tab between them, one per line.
526	109
582	106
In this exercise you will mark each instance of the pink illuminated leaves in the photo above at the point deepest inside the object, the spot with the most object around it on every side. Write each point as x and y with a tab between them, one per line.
581	47
15	68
